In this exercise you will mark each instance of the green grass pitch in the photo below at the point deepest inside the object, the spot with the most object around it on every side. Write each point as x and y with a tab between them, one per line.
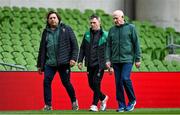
150	111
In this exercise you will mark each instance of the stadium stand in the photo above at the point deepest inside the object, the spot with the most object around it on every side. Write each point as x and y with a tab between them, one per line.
21	28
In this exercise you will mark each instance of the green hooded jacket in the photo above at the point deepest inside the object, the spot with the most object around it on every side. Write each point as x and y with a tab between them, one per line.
123	44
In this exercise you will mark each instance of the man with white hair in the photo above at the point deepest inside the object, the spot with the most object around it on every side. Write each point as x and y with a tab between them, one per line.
122	51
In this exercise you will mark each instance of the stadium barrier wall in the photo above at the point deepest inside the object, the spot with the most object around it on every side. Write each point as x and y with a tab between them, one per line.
24	90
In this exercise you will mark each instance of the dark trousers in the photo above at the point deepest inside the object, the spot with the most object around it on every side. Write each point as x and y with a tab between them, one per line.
95	76
64	72
122	78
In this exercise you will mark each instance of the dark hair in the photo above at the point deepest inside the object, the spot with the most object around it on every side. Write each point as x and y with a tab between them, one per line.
95	16
53	12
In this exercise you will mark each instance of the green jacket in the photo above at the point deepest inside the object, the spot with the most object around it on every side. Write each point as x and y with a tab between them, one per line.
52	46
122	44
85	49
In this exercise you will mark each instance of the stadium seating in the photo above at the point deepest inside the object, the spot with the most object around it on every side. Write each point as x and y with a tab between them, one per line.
21	29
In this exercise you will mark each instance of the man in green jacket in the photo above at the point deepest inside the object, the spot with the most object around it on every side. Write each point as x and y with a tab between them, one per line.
58	51
92	50
122	51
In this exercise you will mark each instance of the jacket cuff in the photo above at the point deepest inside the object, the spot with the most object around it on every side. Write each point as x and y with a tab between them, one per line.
137	60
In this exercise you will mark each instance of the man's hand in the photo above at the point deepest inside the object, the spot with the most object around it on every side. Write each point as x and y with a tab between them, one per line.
72	63
80	66
137	64
108	64
40	71
110	70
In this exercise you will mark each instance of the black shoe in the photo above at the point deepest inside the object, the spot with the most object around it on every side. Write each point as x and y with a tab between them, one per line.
47	108
75	105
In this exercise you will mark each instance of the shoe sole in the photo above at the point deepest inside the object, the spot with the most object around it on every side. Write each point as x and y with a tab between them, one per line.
75	109
93	111
119	111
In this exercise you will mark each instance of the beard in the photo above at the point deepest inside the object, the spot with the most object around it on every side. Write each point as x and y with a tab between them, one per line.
54	25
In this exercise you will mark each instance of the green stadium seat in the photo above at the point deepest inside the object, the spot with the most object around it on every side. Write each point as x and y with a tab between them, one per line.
18	48
157	62
88	12
24	9
36	48
35	31
33	9
31	67
16	9
20	61
142	68
26	42
42	10
166	63
2	68
28	55
50	9
145	56
16	42
17	54
162	68
35	42
35	54
16	30
152	68
1	57
7	48
30	61
5	36
170	30
29	49
6	30
6	42
14	36
7	8
175	63
8	60
7	55
178	68
1	49
171	68
148	62
36	37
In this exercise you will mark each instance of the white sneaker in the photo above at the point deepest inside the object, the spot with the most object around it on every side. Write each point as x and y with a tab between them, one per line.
104	104
93	108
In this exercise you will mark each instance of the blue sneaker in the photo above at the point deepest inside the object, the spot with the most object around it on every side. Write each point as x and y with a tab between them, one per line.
121	109
131	106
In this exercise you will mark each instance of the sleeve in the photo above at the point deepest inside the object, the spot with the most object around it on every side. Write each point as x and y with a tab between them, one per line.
108	47
137	50
74	44
40	53
82	51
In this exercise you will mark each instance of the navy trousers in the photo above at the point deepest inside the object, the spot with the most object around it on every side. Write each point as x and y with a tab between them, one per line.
64	73
122	79
95	76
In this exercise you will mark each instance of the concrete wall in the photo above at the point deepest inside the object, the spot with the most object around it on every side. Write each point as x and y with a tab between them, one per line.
107	5
161	12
